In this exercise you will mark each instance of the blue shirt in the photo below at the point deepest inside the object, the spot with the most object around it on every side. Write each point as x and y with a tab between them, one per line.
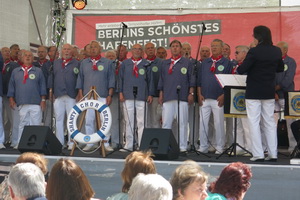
285	79
31	91
181	76
128	80
45	67
215	196
64	78
103	78
210	87
155	67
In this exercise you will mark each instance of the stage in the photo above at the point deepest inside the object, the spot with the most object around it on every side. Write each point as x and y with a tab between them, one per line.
271	180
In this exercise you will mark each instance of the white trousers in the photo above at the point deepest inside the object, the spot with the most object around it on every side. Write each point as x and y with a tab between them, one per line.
262	124
279	106
30	115
90	120
211	106
154	114
14	120
169	112
129	120
243	134
62	107
2	139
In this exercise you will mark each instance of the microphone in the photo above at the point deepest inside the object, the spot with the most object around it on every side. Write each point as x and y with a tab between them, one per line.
125	26
203	26
178	88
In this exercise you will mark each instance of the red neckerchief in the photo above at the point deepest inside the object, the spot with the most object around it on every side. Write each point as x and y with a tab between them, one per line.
26	69
94	61
65	62
235	68
4	66
151	59
215	60
43	62
135	68
14	60
118	66
20	62
52	60
173	60
283	57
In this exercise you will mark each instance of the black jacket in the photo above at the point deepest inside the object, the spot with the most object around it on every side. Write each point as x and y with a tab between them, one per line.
261	64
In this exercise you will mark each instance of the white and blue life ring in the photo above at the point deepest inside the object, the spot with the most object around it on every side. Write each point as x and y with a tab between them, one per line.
105	115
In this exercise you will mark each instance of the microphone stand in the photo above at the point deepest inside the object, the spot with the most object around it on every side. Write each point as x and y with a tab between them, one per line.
135	91
119	146
178	114
147	92
51	73
195	73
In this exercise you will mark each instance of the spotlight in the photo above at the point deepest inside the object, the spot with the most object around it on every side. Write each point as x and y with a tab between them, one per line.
79	4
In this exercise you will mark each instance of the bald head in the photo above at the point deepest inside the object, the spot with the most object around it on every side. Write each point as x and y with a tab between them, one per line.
284	47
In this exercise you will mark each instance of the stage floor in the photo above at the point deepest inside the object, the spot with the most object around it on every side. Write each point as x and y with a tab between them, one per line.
271	181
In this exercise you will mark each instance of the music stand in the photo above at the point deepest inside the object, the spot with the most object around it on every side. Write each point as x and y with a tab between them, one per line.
292	111
234	105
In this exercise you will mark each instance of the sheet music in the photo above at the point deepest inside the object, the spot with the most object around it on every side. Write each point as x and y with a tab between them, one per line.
231	80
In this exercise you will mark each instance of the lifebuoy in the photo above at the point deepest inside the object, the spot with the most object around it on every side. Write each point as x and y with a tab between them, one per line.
105	115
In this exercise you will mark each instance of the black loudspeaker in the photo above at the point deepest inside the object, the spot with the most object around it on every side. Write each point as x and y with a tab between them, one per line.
39	139
161	142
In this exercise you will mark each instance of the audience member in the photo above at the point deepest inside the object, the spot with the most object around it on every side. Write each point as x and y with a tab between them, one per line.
67	181
136	162
189	182
28	157
233	182
26	181
35	158
150	187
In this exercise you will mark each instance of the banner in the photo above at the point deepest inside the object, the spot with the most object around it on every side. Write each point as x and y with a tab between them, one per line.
233	28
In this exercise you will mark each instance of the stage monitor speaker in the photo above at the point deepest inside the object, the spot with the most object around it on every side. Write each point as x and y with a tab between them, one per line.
161	142
39	139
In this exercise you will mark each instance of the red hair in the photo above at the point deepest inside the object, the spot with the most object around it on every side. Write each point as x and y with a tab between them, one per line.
233	180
